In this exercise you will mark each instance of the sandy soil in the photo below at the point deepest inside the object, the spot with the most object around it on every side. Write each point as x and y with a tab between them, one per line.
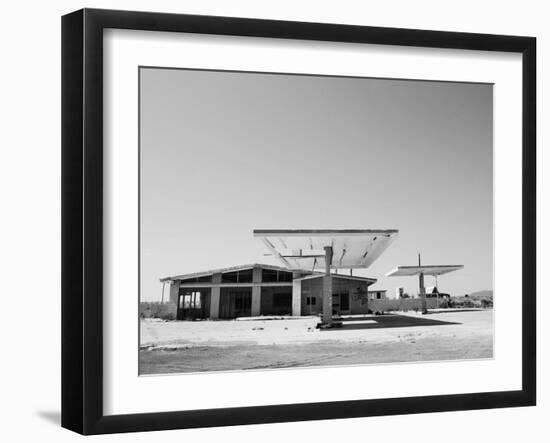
168	347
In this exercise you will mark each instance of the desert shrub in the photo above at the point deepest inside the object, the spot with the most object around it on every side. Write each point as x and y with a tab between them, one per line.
163	311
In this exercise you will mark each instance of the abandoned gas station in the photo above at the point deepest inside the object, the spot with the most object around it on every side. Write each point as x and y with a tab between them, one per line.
258	289
307	283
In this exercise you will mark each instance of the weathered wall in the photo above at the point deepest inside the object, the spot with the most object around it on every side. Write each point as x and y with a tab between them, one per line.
357	295
171	309
403	304
312	288
174	291
358	301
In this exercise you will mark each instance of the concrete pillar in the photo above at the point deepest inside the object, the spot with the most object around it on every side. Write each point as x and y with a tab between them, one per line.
215	302
297	297
367	298
422	293
256	292
215	297
422	288
327	287
174	291
327	299
256	300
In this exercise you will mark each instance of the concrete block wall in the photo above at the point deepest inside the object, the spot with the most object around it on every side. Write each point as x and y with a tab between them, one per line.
358	299
403	304
357	291
312	288
174	292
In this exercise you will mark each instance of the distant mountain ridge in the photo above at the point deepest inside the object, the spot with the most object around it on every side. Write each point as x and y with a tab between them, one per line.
479	295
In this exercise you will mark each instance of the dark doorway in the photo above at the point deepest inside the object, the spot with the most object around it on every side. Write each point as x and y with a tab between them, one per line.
340	303
276	301
335	304
235	302
282	303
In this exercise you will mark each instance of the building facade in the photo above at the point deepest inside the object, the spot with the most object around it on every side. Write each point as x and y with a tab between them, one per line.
258	289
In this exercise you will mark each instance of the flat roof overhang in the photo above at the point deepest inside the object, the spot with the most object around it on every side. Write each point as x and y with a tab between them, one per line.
434	270
305	248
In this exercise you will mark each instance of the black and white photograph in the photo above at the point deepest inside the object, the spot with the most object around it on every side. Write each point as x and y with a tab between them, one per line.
275	221
298	221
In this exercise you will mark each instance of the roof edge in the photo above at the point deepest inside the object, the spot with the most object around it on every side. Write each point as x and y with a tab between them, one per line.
290	232
230	269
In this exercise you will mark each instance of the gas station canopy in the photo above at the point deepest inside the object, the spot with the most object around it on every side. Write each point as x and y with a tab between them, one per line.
305	248
407	271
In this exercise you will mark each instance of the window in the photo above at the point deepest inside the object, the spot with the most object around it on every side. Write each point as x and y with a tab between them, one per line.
230	277
190	300
311	301
285	276
273	276
244	276
203	279
269	276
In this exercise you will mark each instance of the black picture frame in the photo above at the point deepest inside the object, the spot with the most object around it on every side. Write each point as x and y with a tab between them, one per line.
82	218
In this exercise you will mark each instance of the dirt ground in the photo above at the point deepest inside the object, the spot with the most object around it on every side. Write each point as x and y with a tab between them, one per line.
181	346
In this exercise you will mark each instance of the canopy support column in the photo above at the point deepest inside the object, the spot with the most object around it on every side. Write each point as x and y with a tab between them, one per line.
296	297
422	288
327	288
422	293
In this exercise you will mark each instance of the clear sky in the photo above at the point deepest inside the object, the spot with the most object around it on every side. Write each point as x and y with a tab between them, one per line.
224	153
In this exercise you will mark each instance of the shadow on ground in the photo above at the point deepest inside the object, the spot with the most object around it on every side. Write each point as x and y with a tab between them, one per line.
448	310
390	321
54	417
